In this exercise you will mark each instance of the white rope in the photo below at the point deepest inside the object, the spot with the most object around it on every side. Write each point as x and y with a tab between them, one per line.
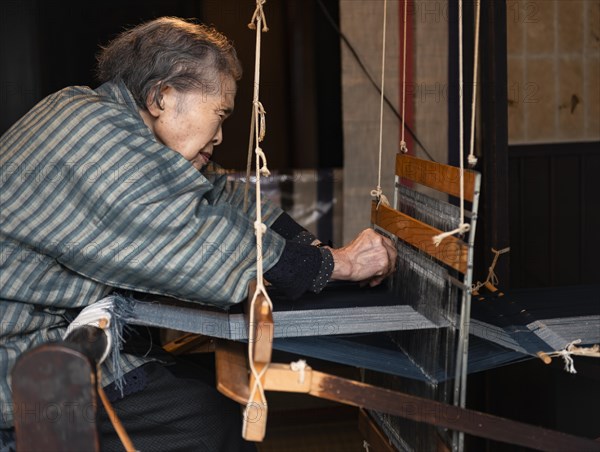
259	14
258	126
570	350
472	159
249	162
378	192
300	367
463	227
491	277
403	147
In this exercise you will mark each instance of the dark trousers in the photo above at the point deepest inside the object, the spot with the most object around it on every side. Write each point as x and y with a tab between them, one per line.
178	409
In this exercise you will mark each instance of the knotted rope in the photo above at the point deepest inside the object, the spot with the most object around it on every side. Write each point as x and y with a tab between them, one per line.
378	192
257	134
571	349
492	278
464	227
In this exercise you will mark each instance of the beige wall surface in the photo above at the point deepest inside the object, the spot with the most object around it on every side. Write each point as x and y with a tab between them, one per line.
362	23
427	93
553	70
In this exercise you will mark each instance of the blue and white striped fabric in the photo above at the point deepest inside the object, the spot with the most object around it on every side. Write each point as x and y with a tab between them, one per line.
90	202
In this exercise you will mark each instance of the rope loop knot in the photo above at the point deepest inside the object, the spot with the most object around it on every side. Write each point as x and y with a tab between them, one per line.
472	160
437	239
262	120
260	227
403	147
259	16
264	170
381	198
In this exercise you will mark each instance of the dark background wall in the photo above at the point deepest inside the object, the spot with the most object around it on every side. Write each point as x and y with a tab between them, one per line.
46	45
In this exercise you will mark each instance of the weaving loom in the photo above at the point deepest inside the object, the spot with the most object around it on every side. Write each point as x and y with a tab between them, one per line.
411	336
421	342
425	309
417	320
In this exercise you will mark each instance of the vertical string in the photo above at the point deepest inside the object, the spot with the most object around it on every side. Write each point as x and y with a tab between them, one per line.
249	161
257	126
378	192
462	227
461	120
472	159
403	147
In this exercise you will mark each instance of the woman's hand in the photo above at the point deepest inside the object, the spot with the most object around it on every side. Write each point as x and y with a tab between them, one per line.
370	257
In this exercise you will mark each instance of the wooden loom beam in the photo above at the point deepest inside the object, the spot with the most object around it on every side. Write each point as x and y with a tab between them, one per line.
236	382
233	382
440	177
452	251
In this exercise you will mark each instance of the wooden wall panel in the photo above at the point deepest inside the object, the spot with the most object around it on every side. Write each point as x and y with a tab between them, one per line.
554	214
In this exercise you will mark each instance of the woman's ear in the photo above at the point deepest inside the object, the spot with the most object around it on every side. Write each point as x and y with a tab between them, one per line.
155	103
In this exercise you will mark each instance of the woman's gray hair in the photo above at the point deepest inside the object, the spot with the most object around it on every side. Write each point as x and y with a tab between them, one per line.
168	51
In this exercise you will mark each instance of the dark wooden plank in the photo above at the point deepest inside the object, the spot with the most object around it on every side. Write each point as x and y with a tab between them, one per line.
446	416
452	251
444	178
535	222
590	220
565	220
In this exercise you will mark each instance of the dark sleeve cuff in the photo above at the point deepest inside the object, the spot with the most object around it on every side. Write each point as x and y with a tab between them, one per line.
322	278
301	268
286	227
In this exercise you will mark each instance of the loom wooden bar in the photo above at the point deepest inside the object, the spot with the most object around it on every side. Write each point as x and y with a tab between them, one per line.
452	251
231	365
190	343
255	423
232	370
438	176
264	327
280	377
446	416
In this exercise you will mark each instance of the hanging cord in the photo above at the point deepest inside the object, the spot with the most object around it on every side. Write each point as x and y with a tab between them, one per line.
403	147
378	192
472	160
249	162
258	126
492	278
259	14
570	350
463	227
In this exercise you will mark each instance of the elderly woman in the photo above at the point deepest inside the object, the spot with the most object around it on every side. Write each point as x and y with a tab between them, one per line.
113	190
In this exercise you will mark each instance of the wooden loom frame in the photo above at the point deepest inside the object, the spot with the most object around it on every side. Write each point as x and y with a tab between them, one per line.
453	252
